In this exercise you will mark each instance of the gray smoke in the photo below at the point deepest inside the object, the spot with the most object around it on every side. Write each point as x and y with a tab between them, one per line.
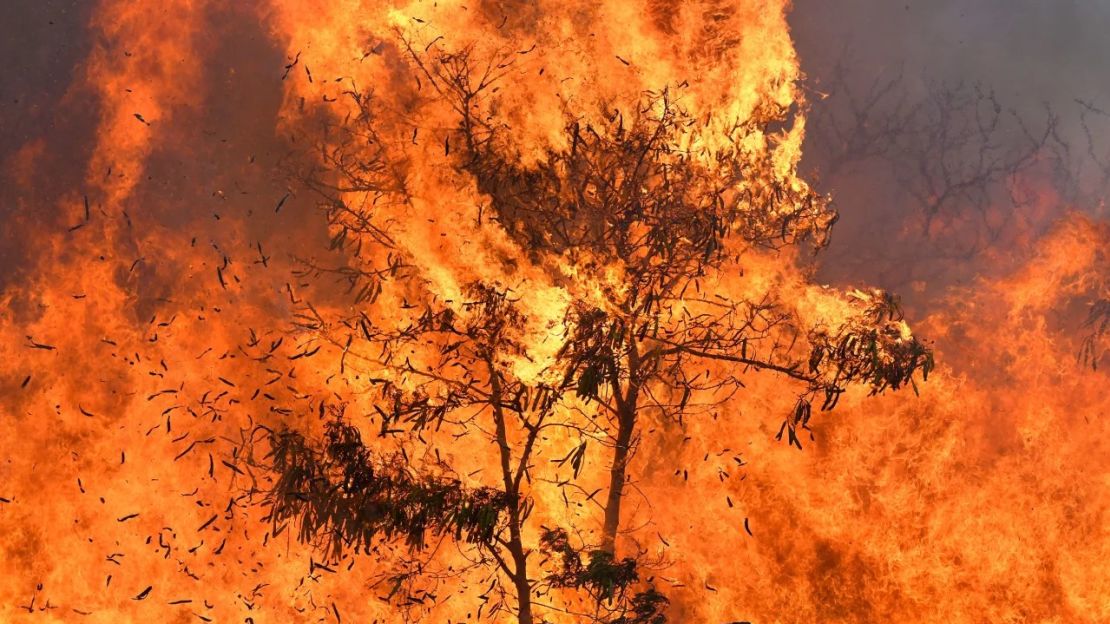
1030	51
1043	62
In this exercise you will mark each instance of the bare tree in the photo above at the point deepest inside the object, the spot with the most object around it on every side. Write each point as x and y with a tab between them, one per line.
1082	168
957	152
951	147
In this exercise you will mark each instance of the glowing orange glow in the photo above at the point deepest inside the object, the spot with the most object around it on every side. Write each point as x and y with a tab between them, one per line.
163	314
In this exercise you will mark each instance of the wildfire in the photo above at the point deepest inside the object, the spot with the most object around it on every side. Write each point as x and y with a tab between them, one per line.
446	311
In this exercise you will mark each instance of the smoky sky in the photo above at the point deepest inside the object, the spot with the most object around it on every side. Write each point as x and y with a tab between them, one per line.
1043	63
41	44
1030	51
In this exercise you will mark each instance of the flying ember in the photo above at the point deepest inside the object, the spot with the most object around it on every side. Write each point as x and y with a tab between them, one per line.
634	312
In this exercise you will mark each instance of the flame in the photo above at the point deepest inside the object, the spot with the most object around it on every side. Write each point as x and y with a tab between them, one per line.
148	331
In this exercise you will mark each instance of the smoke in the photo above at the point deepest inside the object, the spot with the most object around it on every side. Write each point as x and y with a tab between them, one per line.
927	66
1031	52
173	124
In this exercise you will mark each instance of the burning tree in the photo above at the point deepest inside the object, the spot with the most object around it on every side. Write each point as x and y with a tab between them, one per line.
665	208
628	194
345	496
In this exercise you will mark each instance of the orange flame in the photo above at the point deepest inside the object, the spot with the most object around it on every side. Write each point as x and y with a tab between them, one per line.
149	332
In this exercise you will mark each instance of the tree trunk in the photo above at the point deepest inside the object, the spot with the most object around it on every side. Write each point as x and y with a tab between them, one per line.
520	579
618	474
515	545
626	426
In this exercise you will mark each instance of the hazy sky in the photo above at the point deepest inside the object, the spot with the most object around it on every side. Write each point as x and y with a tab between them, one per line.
1028	50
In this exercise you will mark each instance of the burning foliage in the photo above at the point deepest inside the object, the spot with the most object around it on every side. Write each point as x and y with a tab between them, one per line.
344	497
462	312
639	206
608	581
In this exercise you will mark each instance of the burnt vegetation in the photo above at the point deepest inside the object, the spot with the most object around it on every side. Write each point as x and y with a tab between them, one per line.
663	342
978	174
952	153
1093	347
